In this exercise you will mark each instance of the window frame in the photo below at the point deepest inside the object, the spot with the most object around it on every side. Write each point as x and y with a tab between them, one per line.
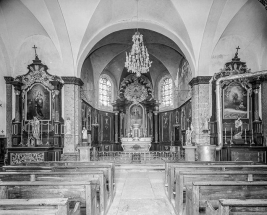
111	92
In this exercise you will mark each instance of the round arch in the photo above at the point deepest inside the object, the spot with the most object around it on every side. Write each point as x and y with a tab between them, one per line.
128	25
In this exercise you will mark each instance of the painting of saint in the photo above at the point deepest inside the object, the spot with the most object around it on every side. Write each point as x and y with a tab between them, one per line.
235	102
38	103
136	114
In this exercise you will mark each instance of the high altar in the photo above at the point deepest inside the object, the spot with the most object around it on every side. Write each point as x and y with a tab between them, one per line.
136	139
135	107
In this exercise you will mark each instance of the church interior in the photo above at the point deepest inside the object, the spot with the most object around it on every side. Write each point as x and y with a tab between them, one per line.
121	107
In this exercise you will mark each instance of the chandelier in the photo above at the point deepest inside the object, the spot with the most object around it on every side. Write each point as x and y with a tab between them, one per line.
137	61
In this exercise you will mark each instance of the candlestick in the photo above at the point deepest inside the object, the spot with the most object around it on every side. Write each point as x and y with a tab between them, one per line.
225	135
245	136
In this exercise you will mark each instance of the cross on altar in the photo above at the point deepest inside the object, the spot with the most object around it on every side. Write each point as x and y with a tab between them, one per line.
236	54
2	131
237	49
34	47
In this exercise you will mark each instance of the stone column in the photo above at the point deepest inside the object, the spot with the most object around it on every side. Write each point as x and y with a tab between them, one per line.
57	86
18	110
255	88
264	110
116	126
9	110
156	117
200	108
72	110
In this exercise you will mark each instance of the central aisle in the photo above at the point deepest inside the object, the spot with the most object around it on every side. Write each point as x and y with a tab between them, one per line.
140	192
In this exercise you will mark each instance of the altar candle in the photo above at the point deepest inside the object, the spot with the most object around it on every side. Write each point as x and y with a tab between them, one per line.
245	135
231	133
225	135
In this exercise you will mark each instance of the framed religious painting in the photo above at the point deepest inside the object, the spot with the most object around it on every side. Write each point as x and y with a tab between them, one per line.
235	101
38	103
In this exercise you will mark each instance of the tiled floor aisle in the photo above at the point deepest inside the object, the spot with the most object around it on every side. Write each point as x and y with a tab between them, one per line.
140	192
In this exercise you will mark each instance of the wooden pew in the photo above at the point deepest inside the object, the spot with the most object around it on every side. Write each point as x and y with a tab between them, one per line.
59	206
77	191
64	176
242	207
212	191
70	163
184	179
170	164
220	167
110	168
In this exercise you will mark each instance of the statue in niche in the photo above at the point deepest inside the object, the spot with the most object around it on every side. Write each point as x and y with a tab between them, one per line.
35	128
84	134
238	128
189	132
68	126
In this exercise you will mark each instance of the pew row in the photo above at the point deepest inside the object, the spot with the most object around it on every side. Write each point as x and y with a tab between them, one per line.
110	168
238	207
78	168
213	191
58	206
78	191
184	179
217	167
169	164
104	202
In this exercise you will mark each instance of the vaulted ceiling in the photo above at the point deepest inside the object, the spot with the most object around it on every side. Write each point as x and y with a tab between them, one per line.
66	32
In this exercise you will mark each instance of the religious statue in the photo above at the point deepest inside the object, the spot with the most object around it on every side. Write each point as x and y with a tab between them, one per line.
84	134
68	126
35	128
238	128
189	136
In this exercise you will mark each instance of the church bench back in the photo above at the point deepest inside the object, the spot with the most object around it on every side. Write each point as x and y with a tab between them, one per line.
184	179
78	191
200	192
64	176
170	164
70	163
242	207
106	168
107	171
57	206
220	167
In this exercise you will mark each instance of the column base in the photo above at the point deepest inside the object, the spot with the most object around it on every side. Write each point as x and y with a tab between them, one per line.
84	152
190	153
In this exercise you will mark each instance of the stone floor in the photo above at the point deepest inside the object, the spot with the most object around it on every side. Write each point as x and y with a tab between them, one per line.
140	192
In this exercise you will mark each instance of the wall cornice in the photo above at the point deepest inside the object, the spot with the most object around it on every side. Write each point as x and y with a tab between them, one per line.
8	79
200	80
72	80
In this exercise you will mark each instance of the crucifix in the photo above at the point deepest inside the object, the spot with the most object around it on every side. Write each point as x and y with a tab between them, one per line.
236	54
34	47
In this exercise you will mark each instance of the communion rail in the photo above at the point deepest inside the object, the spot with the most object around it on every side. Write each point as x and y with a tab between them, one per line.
137	157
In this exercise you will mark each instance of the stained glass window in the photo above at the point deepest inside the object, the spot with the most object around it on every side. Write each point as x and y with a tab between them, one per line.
104	92
166	93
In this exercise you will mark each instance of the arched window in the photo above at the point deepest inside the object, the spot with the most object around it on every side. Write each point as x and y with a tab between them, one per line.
166	92
105	91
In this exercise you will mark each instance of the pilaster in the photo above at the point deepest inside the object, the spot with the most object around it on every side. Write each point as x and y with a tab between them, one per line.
72	110
9	110
200	108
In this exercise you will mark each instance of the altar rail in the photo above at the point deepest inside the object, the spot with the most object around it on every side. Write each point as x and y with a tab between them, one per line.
137	157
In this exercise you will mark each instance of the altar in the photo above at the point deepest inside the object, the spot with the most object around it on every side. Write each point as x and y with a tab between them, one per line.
130	144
